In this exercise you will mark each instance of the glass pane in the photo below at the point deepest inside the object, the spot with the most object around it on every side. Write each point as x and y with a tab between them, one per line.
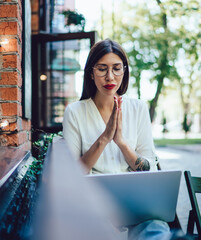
65	62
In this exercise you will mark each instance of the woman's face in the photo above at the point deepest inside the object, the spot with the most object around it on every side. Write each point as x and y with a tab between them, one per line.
107	74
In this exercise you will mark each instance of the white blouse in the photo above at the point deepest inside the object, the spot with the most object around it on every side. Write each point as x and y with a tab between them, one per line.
83	124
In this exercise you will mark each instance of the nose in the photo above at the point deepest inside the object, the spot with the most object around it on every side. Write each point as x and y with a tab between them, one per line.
109	75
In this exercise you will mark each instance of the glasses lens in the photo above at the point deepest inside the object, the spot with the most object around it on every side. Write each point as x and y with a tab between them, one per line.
118	69
102	70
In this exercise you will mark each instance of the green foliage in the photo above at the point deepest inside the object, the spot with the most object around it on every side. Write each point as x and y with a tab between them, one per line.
157	36
148	40
73	17
35	169
166	141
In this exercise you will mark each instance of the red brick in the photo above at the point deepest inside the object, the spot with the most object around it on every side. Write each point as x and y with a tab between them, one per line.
26	124
12	61
19	125
9	28
14	139
20	6
20	23
12	46
34	22
12	94
7	11
3	141
13	127
7	128
14	1
10	109
11	78
35	6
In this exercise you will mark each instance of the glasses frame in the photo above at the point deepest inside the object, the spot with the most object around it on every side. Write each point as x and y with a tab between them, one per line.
124	68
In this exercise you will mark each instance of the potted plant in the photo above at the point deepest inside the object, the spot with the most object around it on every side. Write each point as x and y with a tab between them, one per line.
74	20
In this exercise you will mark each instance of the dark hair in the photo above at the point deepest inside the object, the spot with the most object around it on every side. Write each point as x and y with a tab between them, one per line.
98	51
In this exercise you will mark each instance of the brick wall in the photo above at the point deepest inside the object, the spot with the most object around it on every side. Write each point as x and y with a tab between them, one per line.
35	16
18	132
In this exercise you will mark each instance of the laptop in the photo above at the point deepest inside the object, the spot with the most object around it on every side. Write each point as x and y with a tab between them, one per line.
141	196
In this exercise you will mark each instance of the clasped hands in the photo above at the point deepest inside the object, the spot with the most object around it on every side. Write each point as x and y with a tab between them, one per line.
113	129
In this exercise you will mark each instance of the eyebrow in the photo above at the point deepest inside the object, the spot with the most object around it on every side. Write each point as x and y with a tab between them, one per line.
105	65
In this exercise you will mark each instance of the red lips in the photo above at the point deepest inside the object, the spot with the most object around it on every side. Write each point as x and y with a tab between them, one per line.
109	86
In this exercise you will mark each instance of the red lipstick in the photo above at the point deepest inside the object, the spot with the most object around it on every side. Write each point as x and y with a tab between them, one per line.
109	86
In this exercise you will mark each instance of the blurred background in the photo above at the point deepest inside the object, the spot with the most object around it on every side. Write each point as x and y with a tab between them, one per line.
43	49
163	43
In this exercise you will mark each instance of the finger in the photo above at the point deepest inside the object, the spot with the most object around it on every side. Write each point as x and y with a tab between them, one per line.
113	116
115	104
120	100
119	115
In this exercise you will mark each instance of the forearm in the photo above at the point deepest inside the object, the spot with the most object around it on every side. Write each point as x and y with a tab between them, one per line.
91	156
136	162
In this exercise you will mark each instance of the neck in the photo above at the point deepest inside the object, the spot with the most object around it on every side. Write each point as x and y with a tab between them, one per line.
104	102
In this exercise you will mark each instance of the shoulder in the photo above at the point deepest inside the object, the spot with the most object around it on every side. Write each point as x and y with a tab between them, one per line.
74	112
77	106
137	104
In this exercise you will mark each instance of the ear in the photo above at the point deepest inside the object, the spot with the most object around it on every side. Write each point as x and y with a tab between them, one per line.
92	76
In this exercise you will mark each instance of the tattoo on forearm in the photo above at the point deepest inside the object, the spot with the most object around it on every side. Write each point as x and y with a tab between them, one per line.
142	164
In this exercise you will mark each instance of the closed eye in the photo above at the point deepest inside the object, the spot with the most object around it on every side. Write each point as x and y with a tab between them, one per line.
102	69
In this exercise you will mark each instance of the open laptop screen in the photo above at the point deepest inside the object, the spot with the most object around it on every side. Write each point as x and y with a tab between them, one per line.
142	196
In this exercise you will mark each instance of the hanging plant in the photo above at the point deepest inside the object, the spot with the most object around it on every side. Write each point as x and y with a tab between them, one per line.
35	169
74	19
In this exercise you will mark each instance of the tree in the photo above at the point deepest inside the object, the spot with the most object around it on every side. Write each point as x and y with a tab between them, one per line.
186	124
189	62
164	123
152	42
147	40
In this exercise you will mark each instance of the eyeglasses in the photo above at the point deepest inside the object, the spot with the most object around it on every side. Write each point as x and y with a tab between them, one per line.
101	70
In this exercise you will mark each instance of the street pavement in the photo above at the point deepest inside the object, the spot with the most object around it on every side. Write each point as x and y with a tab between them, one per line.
182	157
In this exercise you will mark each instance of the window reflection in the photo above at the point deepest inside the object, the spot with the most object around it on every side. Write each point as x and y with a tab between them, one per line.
64	70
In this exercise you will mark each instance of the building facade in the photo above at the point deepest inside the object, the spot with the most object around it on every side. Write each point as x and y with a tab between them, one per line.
41	67
15	128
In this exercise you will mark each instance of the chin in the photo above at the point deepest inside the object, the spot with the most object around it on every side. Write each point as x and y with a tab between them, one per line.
111	93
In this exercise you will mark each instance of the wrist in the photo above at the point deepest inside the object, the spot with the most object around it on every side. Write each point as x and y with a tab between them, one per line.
121	143
104	140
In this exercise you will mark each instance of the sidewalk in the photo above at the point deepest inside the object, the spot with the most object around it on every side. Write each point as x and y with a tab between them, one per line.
182	157
188	148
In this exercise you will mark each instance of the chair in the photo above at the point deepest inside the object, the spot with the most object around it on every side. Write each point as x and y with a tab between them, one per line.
157	162
194	186
175	224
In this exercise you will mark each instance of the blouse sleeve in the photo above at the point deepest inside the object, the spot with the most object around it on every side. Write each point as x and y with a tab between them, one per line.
145	145
71	132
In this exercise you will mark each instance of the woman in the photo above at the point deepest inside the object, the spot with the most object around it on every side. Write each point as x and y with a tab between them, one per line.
108	132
